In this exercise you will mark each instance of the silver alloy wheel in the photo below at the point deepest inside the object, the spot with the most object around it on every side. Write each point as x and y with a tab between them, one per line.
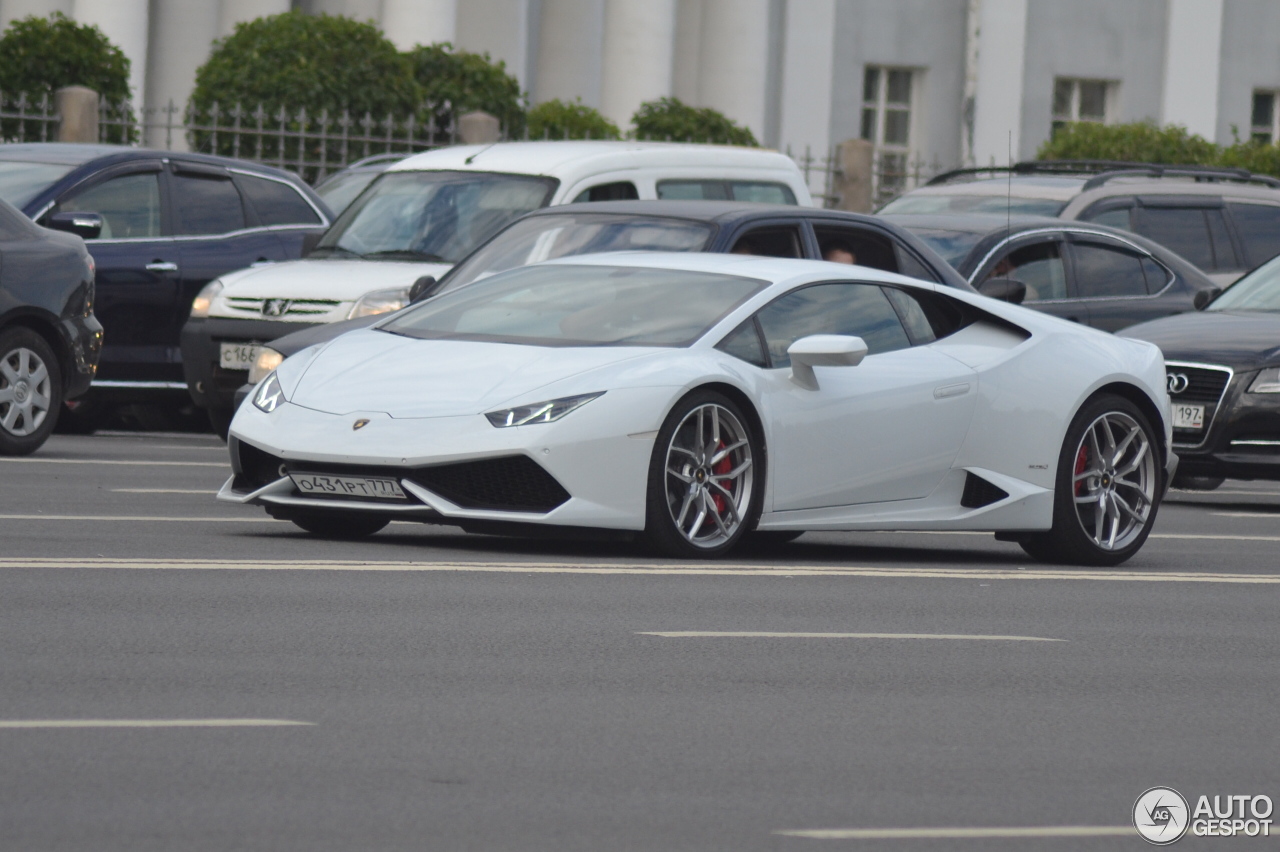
708	475
1114	480
25	389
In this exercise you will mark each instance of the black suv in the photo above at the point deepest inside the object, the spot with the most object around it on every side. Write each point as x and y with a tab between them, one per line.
49	338
169	223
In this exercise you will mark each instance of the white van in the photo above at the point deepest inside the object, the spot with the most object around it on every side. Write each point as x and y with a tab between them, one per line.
429	211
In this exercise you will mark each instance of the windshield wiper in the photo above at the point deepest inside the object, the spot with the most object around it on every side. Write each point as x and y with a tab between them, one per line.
332	251
404	254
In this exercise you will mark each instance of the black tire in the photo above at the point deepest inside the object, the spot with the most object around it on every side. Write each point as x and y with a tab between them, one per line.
769	539
726	488
344	527
30	391
1069	541
82	417
1197	483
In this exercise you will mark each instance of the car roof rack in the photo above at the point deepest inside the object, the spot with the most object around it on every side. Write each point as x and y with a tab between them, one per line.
1101	171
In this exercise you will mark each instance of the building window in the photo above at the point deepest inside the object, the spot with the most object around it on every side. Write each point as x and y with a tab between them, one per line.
1081	100
1265	124
886	123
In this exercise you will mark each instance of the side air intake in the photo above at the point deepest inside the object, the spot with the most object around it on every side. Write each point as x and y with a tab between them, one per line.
978	493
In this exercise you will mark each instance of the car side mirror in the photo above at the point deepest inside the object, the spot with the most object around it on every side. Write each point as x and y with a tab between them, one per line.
1008	290
86	226
1203	298
309	242
823	350
421	289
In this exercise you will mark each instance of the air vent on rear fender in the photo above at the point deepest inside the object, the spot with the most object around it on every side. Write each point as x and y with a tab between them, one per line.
978	493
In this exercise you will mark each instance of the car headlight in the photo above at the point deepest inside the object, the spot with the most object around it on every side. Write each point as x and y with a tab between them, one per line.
539	412
269	395
204	299
268	359
380	302
1267	381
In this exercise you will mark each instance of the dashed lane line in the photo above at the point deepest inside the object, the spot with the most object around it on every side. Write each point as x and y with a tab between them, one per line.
163	491
149	723
641	568
747	634
141	519
965	833
27	460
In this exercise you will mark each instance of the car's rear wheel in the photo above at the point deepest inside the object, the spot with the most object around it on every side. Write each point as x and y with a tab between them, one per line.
1198	483
339	526
702	490
30	391
1107	489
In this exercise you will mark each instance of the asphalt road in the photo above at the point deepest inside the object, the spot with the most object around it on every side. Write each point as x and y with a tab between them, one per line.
180	674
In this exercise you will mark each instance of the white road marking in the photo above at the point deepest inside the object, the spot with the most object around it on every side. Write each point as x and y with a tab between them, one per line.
961	833
163	491
140	518
1271	516
149	723
1219	537
744	634
27	460
701	569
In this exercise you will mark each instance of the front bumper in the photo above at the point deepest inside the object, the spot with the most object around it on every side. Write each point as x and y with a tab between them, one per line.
211	385
83	338
1243	440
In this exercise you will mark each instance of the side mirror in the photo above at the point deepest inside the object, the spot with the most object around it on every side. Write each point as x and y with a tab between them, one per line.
1203	298
309	242
1005	289
86	226
823	350
421	289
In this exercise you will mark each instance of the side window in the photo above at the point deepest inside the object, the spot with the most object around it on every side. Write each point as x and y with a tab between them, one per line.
1157	276
1182	229
277	203
850	245
1106	272
620	191
1039	266
205	205
1224	254
913	317
777	241
862	310
726	190
1115	218
129	205
1259	228
744	342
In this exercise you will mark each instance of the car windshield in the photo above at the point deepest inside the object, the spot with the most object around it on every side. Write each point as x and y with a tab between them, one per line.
21	181
570	305
954	246
927	204
1257	291
431	216
341	189
547	237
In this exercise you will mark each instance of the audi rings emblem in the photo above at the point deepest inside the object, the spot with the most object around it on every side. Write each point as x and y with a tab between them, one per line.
1177	382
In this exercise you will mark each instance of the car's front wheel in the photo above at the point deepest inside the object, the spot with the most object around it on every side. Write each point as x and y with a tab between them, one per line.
30	391
1107	489
339	526
703	478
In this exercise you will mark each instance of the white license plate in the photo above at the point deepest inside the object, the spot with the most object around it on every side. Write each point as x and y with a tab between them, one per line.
323	485
1188	417
237	356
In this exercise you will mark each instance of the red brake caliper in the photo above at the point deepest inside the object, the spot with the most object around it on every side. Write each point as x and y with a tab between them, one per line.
720	469
1082	461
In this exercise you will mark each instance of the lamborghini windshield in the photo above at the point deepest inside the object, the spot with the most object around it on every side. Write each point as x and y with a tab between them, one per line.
571	305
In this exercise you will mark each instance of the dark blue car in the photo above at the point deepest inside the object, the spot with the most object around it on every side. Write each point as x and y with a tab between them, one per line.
170	223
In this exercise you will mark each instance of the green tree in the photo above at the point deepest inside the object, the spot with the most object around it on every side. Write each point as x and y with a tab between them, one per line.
40	55
557	119
669	118
294	61
1141	142
454	82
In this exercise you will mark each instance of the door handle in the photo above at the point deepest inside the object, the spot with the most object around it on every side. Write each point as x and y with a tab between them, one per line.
162	266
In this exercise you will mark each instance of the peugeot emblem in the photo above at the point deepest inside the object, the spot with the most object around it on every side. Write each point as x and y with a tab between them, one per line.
360	424
275	307
1178	382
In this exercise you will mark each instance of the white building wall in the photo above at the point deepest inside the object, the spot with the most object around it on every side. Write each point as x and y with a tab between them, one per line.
181	34
499	28
412	22
1193	52
733	66
1250	59
126	23
232	12
808	75
638	49
570	52
12	10
1002	45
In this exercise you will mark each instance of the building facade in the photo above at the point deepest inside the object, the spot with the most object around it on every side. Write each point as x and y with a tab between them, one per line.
934	82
